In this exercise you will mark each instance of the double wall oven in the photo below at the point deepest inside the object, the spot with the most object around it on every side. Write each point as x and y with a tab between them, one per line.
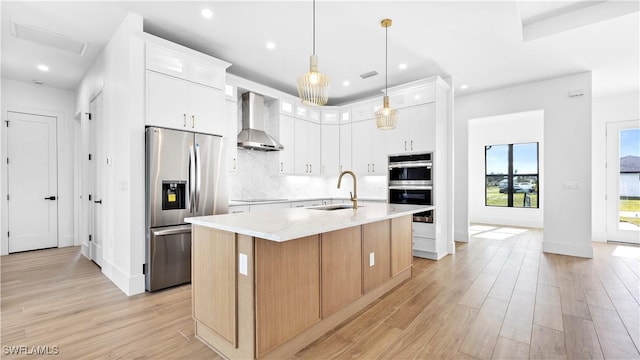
411	182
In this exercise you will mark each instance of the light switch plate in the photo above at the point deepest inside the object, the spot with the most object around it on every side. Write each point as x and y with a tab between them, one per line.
372	259
243	266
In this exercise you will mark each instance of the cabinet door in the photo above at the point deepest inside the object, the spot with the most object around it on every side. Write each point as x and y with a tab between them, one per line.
166	61
301	144
330	149
401	244
398	141
287	136
206	109
206	74
314	148
166	101
341	268
345	147
379	149
422	126
361	147
231	135
376	249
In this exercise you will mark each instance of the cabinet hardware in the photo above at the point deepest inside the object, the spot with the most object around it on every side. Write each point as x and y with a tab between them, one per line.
310	168
411	144
184	120
405	145
50	198
373	167
281	166
368	167
234	163
193	121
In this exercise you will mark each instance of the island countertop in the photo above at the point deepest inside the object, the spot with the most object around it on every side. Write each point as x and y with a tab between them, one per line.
288	224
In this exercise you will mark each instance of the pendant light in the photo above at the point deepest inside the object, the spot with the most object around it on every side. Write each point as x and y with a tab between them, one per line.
386	117
313	87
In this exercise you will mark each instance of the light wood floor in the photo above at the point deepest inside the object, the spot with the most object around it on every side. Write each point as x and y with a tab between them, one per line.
498	297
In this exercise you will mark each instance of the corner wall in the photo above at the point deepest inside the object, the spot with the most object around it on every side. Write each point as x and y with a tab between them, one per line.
567	154
119	74
43	100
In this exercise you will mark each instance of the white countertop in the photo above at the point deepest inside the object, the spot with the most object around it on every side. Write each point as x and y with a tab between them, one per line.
275	201
288	224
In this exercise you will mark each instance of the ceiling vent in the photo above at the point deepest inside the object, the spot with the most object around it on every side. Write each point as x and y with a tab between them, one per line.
48	38
369	74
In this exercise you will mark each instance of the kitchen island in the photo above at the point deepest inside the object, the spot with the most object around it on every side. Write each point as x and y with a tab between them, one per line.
266	285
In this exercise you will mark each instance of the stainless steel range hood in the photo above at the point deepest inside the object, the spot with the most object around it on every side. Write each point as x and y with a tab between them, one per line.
253	135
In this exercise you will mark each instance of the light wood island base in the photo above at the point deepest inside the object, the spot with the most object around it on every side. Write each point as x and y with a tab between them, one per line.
259	299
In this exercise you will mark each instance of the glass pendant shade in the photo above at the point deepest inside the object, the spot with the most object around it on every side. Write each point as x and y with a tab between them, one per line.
313	87
387	117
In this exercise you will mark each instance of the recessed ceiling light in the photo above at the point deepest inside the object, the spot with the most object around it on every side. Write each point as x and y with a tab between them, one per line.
271	45
207	13
346	83
402	66
463	86
43	67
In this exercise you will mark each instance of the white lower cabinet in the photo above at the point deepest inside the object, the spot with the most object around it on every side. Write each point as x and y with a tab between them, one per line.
180	104
238	209
306	203
270	206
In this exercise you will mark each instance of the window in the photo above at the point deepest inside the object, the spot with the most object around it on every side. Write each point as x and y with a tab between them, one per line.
511	175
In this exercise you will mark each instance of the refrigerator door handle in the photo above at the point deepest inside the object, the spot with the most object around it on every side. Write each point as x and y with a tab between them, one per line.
198	179
192	177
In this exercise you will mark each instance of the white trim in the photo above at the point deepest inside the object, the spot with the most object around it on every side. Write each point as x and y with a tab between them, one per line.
129	285
563	248
432	255
599	237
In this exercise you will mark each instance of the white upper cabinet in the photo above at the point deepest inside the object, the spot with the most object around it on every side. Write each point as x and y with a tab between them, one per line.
184	67
330	136
183	91
307	148
345	139
231	135
178	104
415	131
369	148
286	137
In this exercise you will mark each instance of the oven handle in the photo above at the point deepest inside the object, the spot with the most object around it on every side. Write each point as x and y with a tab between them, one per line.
409	187
411	164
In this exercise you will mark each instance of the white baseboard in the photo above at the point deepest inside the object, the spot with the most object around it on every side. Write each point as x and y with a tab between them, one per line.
129	285
428	254
579	250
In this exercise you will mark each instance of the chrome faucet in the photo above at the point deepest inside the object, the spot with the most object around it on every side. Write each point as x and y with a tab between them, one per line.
354	194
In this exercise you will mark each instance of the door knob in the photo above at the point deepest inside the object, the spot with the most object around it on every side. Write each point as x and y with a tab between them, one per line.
98	201
50	198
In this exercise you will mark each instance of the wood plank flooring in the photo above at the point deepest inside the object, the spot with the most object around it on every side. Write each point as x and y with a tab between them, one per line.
498	297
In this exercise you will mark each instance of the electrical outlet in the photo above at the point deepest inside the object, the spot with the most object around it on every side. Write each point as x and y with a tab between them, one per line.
372	259
243	264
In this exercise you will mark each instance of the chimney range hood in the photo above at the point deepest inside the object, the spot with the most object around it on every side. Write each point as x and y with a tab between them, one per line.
253	135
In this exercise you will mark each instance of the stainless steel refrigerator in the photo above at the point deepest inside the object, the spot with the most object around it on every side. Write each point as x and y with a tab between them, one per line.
185	178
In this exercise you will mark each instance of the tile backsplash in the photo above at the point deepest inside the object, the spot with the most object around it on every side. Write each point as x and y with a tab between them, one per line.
256	177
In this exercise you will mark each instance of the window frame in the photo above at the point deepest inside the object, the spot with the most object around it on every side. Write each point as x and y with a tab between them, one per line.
510	176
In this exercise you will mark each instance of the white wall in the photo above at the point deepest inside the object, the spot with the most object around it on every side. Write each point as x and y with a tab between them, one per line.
119	75
618	107
567	154
524	127
43	100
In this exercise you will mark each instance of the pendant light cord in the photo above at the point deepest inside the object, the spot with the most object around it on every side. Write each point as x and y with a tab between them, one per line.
386	60
314	27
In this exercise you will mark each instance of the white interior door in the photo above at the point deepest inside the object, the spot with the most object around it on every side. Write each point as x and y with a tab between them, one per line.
32	182
96	184
623	181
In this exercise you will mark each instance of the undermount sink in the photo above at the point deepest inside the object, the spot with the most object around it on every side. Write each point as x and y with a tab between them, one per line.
332	207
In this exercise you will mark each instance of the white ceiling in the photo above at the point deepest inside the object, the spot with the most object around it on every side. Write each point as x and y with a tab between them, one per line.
479	43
